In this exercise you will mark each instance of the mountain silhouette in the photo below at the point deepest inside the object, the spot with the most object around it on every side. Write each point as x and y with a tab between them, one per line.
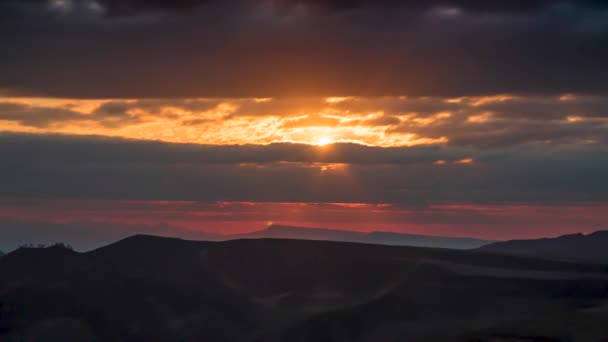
376	237
591	247
387	238
302	233
85	242
147	288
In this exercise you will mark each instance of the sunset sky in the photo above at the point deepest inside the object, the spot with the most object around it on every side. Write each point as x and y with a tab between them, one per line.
444	117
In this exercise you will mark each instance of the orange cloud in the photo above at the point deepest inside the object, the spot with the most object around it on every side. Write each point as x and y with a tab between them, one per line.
465	161
379	121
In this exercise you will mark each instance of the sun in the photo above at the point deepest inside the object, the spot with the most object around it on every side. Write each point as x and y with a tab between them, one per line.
323	141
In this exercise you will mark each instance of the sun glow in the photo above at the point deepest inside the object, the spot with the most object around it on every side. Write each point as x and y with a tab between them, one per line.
324	141
334	100
319	121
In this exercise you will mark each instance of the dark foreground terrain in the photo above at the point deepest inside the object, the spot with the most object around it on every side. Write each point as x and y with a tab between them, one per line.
158	289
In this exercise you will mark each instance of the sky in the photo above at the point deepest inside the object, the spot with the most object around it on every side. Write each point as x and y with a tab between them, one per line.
445	117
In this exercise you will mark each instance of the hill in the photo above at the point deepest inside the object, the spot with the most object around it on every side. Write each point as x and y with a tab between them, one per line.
397	239
301	233
44	234
591	247
377	237
147	288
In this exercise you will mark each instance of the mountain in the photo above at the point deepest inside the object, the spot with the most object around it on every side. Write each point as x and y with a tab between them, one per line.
45	235
591	247
378	237
302	233
147	288
386	238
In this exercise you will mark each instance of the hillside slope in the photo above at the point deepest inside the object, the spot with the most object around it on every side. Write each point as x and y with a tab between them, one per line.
591	247
147	288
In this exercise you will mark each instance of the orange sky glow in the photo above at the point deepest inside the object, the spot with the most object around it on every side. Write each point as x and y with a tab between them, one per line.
190	217
382	121
447	151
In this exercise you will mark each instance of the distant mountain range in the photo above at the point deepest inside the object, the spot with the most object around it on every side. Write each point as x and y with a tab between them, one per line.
591	247
377	237
49	234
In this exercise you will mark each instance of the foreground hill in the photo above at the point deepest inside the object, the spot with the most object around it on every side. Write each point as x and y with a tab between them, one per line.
148	288
591	247
380	238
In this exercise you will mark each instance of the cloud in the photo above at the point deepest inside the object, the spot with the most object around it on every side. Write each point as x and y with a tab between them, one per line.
494	121
93	167
135	7
472	5
111	115
313	120
85	149
40	117
235	49
492	133
548	108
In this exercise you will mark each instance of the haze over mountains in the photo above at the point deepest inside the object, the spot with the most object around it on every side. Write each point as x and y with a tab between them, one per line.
590	247
376	237
87	238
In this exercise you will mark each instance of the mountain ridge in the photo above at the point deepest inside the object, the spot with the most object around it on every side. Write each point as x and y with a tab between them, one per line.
373	237
588	247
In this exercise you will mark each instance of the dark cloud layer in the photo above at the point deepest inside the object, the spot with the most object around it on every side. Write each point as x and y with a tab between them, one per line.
51	149
126	7
89	167
237	48
473	5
